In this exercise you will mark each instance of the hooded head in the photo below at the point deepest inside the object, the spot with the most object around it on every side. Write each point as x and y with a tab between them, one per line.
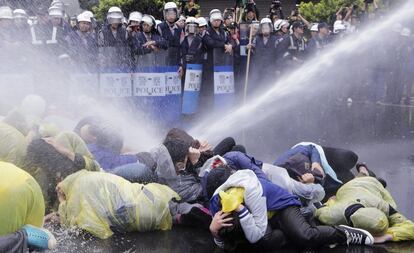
371	219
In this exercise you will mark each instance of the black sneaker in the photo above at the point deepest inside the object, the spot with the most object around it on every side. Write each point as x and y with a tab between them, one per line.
357	236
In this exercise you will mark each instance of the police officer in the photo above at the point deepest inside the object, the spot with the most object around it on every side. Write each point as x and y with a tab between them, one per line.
134	23
83	42
6	24
216	38
320	40
263	52
21	26
171	32
191	48
148	40
292	50
113	37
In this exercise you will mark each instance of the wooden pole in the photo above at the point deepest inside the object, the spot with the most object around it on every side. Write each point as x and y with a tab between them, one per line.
246	80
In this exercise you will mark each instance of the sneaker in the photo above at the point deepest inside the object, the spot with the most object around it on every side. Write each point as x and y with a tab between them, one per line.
356	236
39	238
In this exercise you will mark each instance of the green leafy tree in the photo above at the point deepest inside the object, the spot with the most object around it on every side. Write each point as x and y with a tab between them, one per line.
153	7
325	9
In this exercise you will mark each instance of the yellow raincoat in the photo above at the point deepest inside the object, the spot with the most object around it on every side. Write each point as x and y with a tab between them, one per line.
372	195
103	203
21	199
13	145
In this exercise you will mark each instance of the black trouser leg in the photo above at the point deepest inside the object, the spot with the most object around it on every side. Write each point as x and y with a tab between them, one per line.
14	243
272	240
224	146
299	231
341	161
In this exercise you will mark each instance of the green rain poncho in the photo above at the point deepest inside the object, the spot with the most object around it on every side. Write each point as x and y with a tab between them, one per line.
21	199
103	203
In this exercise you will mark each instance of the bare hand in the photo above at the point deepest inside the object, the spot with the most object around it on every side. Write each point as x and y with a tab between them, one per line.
318	167
52	218
383	238
219	221
249	46
61	149
228	49
181	72
194	155
307	178
205	146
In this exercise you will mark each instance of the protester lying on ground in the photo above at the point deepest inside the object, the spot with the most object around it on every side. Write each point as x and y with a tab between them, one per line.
22	209
178	159
329	167
106	145
266	215
364	203
103	204
309	193
51	160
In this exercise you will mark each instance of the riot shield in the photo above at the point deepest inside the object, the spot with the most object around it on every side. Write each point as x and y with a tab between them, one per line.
224	95
114	78
173	92
192	86
149	85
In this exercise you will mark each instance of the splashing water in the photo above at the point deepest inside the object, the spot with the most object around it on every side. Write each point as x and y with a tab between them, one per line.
306	82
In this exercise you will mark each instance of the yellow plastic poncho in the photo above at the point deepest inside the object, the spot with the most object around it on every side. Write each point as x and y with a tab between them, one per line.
371	194
102	203
13	145
231	198
21	199
74	143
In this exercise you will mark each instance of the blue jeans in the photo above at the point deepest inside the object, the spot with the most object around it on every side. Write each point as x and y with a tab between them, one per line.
135	173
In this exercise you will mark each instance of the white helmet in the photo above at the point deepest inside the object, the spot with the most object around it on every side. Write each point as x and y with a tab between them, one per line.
265	21
114	15
83	17
314	28
135	16
56	12
406	32
6	12
88	14
19	13
279	24
191	20
338	27
201	21
215	14
170	5
57	3
148	20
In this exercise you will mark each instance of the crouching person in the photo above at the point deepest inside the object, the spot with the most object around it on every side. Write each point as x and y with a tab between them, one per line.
21	212
262	199
364	203
103	204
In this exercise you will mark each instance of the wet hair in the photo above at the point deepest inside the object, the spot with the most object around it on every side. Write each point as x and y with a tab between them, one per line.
216	178
177	133
234	235
106	134
177	148
41	154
